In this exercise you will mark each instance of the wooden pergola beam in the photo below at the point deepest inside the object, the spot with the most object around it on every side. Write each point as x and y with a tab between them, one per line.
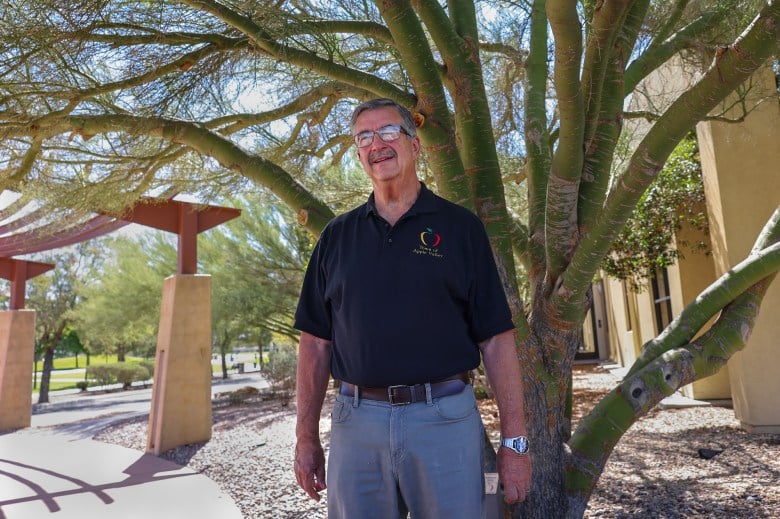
18	272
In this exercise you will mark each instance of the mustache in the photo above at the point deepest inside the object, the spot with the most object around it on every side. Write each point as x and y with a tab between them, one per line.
381	155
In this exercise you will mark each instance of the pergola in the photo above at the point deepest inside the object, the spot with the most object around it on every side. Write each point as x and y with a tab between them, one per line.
185	219
181	398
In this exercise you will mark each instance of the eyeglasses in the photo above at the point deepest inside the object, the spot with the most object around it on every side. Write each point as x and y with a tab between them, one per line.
389	133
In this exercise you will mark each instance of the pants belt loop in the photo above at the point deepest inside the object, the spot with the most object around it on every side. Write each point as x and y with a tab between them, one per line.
356	397
428	398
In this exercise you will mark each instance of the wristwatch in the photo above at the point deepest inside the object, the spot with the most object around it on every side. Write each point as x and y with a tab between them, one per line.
519	444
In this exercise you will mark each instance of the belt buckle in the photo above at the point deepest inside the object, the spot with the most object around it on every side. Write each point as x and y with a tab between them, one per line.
391	395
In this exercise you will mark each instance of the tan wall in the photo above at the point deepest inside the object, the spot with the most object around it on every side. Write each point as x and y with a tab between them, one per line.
181	397
624	343
741	166
17	334
687	279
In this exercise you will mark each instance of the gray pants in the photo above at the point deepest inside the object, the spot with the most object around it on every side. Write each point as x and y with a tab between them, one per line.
388	461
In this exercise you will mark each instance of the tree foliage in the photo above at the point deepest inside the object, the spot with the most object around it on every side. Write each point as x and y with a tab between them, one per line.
674	201
520	110
256	262
121	307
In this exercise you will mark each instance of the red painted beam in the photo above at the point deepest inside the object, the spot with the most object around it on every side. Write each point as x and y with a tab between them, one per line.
184	219
48	237
165	214
18	272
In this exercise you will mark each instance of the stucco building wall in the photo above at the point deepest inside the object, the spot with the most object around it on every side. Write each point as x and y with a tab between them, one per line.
741	169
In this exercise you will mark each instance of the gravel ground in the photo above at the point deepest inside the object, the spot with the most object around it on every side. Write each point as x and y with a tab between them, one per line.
655	471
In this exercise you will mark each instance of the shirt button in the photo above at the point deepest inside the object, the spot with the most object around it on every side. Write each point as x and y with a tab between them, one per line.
389	240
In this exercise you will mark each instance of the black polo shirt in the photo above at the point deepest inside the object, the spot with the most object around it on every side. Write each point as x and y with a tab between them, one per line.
405	304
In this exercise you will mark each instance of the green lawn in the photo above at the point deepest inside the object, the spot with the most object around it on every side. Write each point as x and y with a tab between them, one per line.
55	386
68	380
59	381
94	360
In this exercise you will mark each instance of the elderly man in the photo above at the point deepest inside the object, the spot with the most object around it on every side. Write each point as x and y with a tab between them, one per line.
400	298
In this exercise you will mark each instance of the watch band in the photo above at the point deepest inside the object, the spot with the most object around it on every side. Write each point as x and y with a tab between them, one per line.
519	444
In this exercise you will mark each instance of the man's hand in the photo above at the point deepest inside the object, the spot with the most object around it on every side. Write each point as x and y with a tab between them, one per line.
514	472
312	383
310	467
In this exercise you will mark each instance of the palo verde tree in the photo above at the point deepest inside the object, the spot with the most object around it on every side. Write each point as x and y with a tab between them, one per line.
102	101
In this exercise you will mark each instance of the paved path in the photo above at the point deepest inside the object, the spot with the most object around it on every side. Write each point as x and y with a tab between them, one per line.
54	470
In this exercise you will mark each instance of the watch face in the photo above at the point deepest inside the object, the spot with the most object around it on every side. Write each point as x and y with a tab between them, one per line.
519	444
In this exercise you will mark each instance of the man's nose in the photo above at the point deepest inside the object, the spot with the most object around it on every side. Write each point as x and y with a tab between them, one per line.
376	142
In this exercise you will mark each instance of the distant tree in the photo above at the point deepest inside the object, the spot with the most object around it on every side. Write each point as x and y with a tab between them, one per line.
120	310
256	263
54	295
70	346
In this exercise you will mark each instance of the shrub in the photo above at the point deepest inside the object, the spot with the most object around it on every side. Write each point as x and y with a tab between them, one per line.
82	385
148	365
121	372
126	373
103	374
282	363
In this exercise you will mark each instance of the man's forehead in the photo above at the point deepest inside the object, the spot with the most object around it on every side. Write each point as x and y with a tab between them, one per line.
368	119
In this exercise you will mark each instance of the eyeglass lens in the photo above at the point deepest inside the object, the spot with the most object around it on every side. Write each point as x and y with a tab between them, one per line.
386	133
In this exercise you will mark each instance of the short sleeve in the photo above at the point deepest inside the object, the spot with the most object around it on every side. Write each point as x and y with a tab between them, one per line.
313	314
489	312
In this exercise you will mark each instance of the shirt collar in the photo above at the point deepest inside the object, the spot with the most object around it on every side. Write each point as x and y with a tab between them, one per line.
425	203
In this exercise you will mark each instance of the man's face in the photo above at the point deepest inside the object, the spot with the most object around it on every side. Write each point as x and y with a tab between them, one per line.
387	161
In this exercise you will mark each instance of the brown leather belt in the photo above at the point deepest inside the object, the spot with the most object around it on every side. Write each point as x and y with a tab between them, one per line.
402	395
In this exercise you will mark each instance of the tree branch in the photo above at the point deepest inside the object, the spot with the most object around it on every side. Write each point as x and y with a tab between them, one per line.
670	23
304	59
659	53
733	67
681	330
312	213
566	168
372	30
537	137
600	146
607	25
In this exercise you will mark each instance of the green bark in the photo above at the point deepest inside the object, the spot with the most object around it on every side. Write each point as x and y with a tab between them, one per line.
537	140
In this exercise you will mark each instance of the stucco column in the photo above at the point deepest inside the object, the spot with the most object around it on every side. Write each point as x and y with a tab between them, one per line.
741	169
181	397
17	350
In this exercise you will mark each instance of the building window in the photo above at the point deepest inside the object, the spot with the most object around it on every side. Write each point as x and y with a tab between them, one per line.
662	301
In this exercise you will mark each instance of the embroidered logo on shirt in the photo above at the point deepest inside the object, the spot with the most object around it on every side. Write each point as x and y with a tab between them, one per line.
429	243
430	238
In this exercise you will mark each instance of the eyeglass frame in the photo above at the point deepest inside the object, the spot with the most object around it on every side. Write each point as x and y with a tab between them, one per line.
395	127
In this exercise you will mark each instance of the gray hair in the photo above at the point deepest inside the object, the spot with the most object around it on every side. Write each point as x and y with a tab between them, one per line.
407	121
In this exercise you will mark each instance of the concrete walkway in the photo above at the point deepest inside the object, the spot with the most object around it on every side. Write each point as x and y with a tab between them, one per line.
55	470
42	476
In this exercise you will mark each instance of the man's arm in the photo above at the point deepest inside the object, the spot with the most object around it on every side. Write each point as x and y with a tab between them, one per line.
312	382
503	371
